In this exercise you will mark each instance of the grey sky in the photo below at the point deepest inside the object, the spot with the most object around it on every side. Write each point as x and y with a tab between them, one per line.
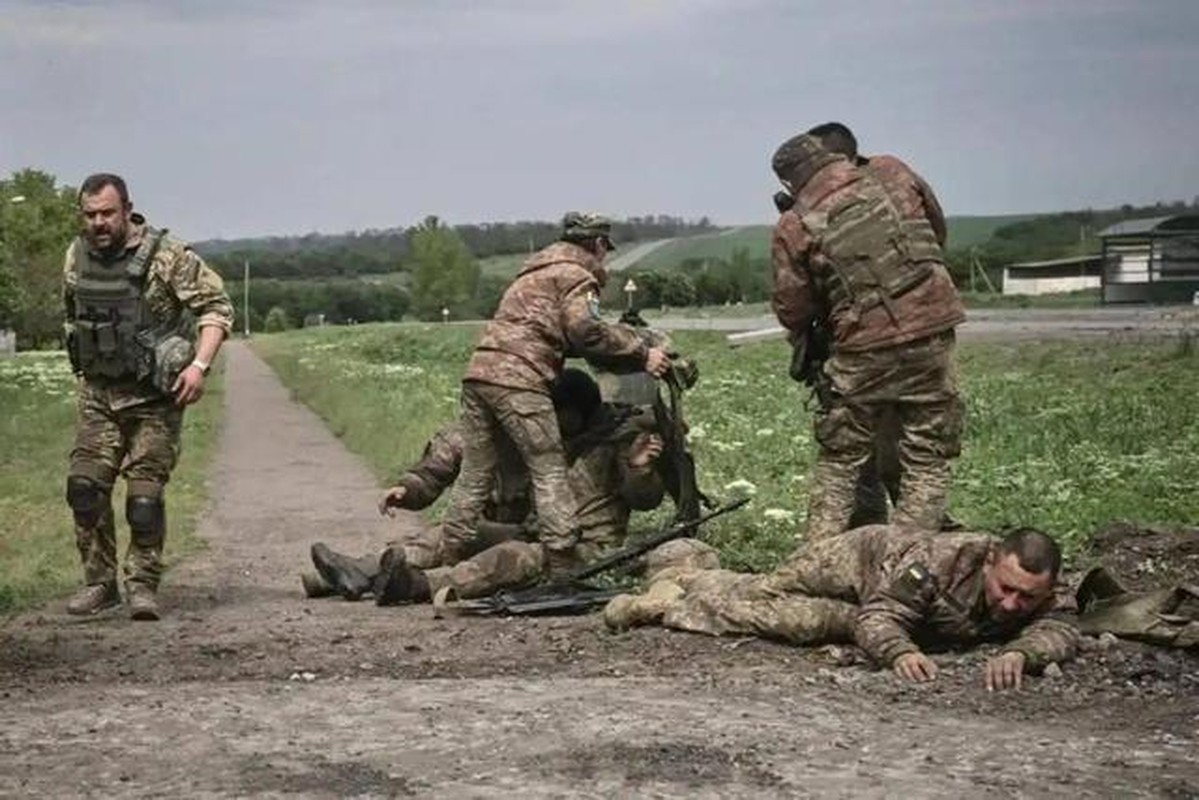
280	116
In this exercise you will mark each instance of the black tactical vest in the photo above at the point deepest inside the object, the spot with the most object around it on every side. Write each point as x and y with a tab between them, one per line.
110	312
874	253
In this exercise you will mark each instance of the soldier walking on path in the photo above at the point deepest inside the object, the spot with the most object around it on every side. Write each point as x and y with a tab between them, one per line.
134	298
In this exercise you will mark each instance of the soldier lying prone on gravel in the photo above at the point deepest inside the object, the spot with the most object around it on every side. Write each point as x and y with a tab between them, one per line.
890	590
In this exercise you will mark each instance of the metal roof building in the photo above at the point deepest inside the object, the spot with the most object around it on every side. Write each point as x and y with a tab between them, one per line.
1056	275
1153	260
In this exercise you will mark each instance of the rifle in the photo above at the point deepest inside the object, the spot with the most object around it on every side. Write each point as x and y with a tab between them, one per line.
569	594
668	415
809	352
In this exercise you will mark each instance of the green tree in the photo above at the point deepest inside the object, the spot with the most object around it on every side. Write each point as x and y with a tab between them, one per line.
37	221
277	320
444	274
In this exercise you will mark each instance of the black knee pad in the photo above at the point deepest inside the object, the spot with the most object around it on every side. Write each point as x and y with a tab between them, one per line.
145	516
87	499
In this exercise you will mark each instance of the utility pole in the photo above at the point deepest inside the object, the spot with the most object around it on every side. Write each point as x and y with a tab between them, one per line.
245	297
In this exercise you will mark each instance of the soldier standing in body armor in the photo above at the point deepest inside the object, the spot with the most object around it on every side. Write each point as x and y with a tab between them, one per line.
549	312
134	297
914	199
876	277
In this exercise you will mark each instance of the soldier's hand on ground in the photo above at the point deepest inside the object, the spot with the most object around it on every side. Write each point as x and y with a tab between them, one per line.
392	500
1005	671
657	361
915	667
646	449
189	386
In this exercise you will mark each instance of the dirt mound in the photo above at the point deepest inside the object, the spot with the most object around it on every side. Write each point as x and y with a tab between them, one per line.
1150	557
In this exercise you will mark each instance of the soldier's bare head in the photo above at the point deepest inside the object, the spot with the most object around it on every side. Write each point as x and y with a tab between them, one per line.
1020	572
106	211
836	138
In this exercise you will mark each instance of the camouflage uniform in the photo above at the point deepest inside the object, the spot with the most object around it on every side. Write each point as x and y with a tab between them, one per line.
508	508
549	312
878	487
892	329
127	426
856	587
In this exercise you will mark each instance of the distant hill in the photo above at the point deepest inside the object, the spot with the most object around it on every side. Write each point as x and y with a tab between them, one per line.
963	232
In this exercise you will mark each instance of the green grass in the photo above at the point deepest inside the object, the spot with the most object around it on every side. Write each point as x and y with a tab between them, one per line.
1083	298
1066	436
38	559
754	238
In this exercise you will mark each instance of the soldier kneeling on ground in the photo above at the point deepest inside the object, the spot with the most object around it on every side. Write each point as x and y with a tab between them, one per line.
613	469
889	590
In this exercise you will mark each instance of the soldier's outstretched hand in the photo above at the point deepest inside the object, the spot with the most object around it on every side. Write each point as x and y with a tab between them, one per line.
392	500
915	667
657	361
1005	671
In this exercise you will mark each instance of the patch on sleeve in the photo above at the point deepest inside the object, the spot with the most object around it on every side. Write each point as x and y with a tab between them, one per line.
912	584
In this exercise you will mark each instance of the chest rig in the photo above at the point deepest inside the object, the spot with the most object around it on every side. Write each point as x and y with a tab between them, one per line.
110	317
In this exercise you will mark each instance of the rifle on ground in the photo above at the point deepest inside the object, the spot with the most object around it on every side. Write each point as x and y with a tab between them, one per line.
570	594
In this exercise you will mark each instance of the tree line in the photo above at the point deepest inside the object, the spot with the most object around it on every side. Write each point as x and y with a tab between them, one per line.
373	252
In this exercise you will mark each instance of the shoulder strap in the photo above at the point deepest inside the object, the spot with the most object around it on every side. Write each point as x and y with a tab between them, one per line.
145	253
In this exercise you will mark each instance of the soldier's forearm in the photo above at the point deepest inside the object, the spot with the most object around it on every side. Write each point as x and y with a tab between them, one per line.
209	343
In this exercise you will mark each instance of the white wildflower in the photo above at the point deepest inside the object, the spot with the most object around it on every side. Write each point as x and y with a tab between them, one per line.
779	515
741	487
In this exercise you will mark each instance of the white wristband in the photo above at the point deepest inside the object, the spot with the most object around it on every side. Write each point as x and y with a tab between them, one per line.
203	365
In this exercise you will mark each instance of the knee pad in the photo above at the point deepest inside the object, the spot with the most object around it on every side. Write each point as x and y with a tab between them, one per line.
145	516
86	498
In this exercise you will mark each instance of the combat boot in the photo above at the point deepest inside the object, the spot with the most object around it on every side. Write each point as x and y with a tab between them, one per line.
143	601
397	582
348	576
94	598
315	585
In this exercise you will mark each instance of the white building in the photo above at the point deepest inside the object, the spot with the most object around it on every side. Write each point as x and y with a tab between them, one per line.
1054	276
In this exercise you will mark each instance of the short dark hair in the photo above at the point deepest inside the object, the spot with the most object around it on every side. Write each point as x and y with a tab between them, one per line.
93	184
575	389
836	138
1035	550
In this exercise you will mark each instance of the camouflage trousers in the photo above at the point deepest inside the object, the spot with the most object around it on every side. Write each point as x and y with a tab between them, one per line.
916	383
811	599
141	443
515	564
528	420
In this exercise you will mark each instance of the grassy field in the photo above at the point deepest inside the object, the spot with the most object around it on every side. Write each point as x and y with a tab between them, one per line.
1066	436
38	559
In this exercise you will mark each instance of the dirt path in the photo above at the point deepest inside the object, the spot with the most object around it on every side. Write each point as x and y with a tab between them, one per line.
245	688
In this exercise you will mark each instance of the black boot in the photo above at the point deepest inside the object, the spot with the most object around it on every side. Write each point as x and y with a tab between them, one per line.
346	575
397	582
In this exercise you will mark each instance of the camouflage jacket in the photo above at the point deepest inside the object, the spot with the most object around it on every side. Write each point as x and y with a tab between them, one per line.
438	467
550	312
177	279
898	614
606	487
912	195
931	307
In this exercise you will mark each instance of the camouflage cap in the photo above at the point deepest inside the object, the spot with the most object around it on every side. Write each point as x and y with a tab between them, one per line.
583	225
794	152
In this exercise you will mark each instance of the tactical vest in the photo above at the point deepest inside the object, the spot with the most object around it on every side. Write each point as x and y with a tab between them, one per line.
874	254
110	313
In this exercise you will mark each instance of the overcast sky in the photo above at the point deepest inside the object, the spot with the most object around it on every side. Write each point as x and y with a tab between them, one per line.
252	117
